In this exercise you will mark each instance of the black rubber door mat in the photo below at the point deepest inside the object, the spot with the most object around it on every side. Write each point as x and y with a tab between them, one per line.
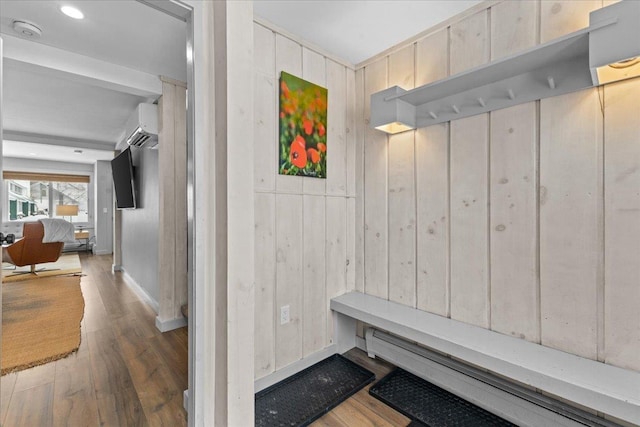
429	405
306	396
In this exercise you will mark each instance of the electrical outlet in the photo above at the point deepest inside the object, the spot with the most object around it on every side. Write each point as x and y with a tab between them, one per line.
284	314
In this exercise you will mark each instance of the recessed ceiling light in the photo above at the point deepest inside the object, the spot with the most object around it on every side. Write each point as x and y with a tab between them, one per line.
72	12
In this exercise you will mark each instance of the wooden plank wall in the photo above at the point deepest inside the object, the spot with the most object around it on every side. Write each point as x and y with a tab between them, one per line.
305	228
172	158
526	220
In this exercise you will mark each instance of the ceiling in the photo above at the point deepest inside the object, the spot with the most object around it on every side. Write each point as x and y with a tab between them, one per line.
356	30
60	153
126	33
38	102
63	102
55	106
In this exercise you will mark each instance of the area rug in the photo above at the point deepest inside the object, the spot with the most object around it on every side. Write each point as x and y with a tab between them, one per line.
40	321
65	265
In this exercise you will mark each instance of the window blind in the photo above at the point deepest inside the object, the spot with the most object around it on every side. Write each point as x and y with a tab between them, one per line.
56	177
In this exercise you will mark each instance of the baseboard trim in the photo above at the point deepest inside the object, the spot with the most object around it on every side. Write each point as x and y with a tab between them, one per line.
139	290
116	267
171	324
102	251
297	366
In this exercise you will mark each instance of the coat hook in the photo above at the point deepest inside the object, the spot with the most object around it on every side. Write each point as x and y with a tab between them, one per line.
481	102
552	83
512	95
456	109
433	115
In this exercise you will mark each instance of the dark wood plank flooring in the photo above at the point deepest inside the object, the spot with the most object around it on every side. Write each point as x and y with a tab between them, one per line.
125	373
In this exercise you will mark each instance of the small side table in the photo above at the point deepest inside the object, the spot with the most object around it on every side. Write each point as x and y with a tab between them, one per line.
83	235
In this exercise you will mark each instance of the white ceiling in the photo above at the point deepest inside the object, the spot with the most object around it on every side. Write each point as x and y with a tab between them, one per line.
46	104
71	106
123	32
30	150
356	30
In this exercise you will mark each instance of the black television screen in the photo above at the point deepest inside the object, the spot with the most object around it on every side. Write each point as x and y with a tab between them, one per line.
122	170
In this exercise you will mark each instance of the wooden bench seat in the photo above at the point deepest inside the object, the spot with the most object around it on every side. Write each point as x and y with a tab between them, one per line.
605	388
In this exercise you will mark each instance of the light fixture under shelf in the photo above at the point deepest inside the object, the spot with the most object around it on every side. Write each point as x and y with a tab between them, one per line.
606	51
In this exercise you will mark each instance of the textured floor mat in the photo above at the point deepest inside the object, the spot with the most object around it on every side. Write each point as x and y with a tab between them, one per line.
306	396
430	405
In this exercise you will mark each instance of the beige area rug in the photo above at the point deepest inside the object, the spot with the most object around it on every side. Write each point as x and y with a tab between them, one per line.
40	321
66	264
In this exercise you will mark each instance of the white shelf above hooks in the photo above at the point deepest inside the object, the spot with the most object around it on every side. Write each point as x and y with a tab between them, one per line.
567	64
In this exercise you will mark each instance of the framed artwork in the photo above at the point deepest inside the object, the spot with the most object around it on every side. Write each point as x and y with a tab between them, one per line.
303	128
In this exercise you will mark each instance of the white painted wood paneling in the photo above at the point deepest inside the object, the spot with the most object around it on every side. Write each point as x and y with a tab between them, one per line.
622	224
265	133
314	315
314	71
469	221
288	59
469	43
353	113
353	157
265	156
570	202
351	244
514	239
336	255
532	266
469	47
570	170
514	27
240	219
432	186
376	265
292	272
180	282
360	181
402	195
265	279
264	48
290	277
336	123
172	194
515	302
561	17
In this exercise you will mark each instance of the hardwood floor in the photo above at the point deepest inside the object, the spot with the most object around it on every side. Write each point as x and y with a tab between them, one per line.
125	373
361	409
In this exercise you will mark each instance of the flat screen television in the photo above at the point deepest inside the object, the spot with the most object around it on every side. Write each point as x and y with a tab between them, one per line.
122	170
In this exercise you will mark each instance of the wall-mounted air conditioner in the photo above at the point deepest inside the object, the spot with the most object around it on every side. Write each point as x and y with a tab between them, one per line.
142	127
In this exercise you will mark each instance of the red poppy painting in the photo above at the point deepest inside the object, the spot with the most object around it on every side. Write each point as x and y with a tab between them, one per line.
303	124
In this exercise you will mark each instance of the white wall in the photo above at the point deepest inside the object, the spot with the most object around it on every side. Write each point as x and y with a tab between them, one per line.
140	231
103	224
304	235
525	220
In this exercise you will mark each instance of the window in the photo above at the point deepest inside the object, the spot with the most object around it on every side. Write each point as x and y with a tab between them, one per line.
33	196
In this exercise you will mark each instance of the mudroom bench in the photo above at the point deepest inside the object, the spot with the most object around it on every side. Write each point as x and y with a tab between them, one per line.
607	389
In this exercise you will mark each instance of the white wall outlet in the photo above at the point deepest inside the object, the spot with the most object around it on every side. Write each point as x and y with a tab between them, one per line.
284	314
